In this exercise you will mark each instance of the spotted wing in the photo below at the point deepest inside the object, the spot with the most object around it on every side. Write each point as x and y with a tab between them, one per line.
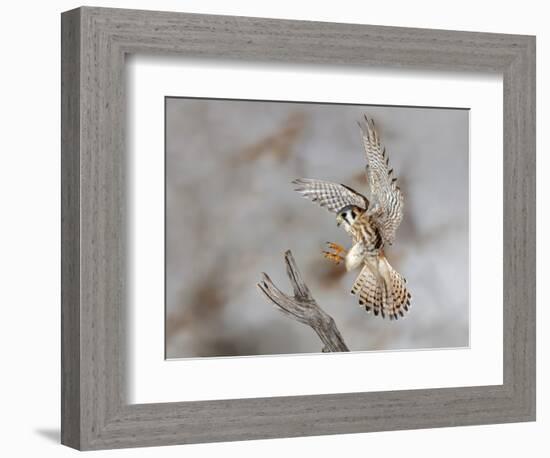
332	196
387	199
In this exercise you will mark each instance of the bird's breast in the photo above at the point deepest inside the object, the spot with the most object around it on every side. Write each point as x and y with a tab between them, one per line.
363	230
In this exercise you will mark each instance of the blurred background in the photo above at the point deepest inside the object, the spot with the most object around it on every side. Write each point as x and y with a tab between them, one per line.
231	213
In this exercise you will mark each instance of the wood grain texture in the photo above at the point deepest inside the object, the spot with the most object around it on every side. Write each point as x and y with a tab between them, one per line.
302	307
70	229
96	413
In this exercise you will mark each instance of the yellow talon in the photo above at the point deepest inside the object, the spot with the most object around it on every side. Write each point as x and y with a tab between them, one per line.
335	254
336	248
333	257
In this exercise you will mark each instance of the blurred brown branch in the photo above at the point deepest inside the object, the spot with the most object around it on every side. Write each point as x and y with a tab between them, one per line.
303	308
279	143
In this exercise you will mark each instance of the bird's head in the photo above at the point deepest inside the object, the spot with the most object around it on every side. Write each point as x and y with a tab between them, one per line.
348	215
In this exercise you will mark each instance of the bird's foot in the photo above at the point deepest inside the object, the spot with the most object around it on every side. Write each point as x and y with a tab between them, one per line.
334	252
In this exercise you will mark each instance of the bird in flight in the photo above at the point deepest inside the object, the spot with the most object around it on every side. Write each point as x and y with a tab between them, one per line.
371	220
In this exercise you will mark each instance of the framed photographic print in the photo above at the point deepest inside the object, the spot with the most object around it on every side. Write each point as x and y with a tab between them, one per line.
212	310
280	228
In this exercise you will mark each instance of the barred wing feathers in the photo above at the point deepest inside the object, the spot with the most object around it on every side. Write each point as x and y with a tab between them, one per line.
387	199
332	196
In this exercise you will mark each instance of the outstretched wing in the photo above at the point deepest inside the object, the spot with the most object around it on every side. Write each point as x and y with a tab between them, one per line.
387	199
332	196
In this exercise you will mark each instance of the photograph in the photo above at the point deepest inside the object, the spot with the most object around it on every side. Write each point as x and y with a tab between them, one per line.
371	201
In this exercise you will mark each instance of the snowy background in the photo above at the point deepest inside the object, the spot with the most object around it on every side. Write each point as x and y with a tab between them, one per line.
231	212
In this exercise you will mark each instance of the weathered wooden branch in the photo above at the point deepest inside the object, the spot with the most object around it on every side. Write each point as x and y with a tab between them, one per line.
302	307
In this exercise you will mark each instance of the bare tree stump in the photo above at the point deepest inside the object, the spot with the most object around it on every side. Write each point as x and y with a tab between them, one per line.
302	307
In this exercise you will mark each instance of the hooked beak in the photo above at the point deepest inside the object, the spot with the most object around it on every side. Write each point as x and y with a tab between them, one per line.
338	220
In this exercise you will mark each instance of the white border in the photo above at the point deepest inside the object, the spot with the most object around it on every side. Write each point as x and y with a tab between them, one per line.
152	379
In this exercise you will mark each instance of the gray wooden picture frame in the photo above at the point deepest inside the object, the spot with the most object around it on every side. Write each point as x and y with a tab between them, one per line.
95	412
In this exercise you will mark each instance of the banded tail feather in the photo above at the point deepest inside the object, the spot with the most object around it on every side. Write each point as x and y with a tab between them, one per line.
383	294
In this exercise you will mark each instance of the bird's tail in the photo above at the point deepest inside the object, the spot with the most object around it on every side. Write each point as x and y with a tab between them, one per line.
382	290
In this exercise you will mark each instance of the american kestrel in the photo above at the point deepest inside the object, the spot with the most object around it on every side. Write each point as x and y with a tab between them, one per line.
371	221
